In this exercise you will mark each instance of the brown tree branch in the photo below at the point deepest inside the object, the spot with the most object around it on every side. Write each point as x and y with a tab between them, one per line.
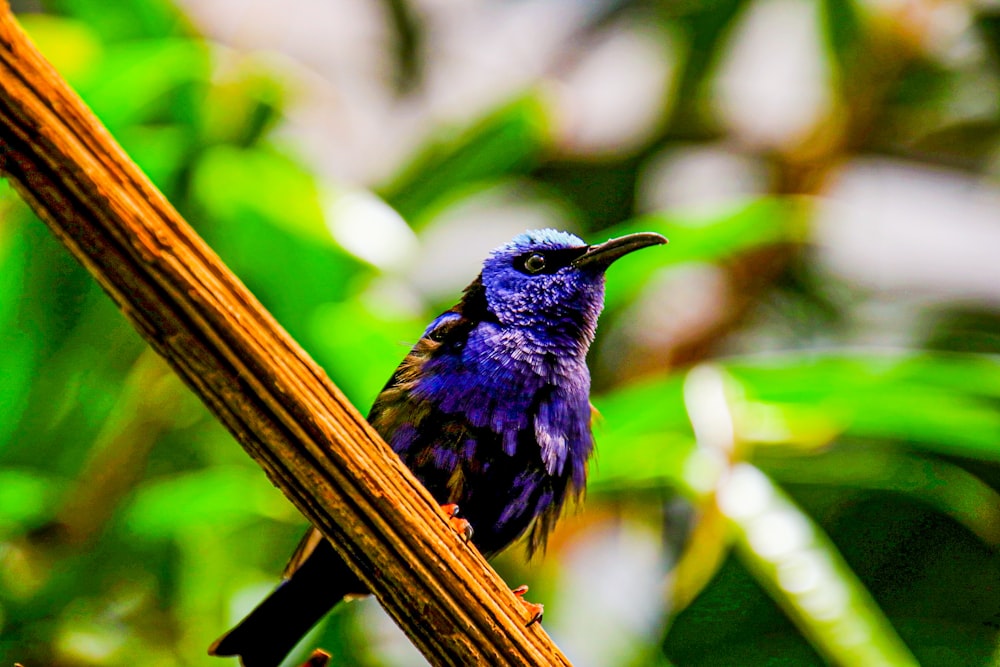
280	406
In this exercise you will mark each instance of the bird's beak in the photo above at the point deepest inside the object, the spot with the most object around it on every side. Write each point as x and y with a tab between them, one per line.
602	255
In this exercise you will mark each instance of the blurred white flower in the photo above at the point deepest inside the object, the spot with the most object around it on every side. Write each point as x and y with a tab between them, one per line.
617	95
773	83
912	230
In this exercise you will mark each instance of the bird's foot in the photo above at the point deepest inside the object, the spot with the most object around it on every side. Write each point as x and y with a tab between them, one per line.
319	658
535	611
458	524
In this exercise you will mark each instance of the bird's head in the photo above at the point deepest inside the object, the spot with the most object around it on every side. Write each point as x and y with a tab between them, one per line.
552	283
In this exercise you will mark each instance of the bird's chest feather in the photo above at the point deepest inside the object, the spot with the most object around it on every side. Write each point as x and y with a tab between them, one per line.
497	423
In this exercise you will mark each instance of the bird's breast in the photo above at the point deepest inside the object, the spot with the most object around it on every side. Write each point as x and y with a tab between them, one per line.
497	424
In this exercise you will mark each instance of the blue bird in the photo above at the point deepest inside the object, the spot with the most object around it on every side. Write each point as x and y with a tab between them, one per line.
490	410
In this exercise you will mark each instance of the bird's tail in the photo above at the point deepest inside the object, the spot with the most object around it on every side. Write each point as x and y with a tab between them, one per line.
272	629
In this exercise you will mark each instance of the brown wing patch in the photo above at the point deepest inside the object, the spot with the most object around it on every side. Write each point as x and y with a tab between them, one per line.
596	417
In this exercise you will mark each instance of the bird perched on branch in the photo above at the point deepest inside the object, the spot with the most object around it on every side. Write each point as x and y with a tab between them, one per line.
490	410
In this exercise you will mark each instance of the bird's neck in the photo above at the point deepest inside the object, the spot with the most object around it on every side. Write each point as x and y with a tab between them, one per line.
541	323
565	335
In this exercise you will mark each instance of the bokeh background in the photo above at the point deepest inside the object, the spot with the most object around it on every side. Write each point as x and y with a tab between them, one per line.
799	448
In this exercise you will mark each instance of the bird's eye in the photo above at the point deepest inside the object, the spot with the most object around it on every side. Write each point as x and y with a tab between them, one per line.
534	263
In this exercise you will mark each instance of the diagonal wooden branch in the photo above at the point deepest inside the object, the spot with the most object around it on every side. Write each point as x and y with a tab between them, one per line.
280	406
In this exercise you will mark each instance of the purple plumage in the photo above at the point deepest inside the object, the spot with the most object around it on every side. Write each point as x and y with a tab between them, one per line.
490	410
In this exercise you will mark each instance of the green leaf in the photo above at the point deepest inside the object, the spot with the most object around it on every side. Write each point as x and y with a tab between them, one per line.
947	488
803	571
127	19
72	46
236	183
243	102
935	403
25	498
220	496
17	368
160	151
137	79
17	364
360	346
842	30
745	227
643	437
265	220
941	641
945	404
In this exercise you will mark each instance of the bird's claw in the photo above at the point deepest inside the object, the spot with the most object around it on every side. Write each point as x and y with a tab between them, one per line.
458	524
534	610
319	658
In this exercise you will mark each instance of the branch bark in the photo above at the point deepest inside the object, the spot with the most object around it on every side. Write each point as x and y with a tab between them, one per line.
274	399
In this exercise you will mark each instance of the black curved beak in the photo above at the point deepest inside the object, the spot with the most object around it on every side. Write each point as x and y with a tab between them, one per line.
601	256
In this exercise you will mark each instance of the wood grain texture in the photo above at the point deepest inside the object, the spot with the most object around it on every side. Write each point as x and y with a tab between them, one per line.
274	399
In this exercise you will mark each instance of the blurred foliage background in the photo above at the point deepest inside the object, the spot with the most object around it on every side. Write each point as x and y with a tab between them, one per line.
798	456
